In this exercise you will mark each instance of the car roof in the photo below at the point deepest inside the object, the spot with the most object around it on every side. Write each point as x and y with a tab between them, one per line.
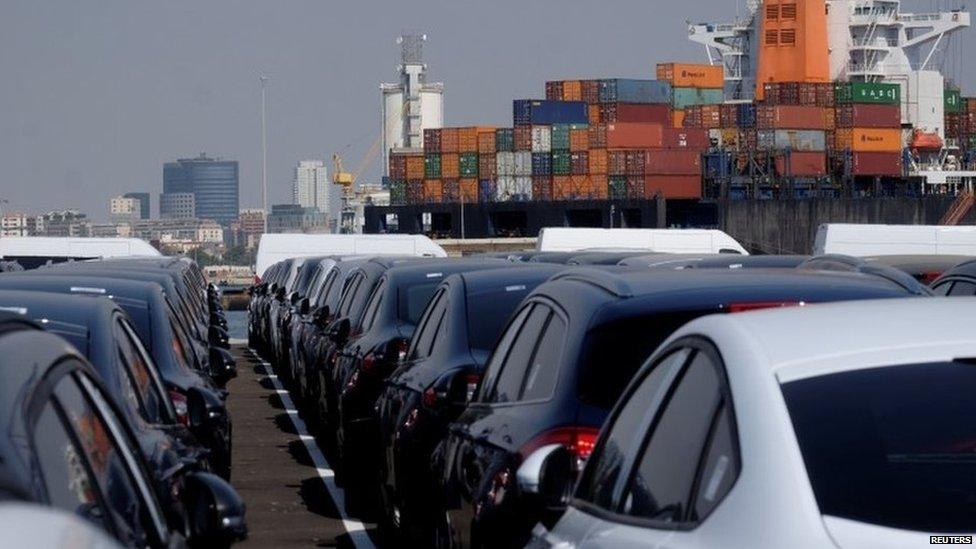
919	264
503	277
78	310
441	268
966	268
81	285
802	342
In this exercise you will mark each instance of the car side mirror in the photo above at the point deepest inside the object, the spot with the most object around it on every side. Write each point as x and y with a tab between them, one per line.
339	332
321	316
294	297
304	306
217	319
222	365
218	337
548	473
280	294
216	511
462	386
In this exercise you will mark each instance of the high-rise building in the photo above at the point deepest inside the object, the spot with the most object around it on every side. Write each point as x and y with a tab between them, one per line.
292	218
214	183
180	205
311	187
145	210
122	209
410	105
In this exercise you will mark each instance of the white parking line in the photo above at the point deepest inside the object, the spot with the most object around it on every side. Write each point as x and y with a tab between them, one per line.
355	528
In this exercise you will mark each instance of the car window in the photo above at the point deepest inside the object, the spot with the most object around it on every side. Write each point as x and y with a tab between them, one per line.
942	289
323	291
413	299
603	470
540	378
488	313
509	385
423	342
665	475
895	447
501	352
144	375
373	305
108	464
963	287
179	341
67	478
349	293
720	468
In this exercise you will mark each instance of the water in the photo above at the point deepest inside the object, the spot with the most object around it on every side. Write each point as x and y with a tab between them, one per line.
237	324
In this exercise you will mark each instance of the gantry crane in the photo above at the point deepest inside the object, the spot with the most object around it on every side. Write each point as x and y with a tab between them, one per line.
347	180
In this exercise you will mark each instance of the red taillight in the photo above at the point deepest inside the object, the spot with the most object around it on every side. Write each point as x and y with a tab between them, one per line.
759	305
430	398
182	407
930	277
402	347
370	363
579	440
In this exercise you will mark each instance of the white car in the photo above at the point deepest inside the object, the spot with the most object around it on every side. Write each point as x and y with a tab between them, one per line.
841	425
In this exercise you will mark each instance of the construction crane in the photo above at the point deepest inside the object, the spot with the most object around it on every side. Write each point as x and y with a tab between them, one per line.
347	180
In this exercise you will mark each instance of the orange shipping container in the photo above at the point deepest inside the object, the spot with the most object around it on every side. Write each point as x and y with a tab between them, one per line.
598	161
869	139
415	167
450	166
433	191
711	117
673	186
600	185
579	140
593	113
562	187
791	117
634	136
486	140
678	119
572	90
686	75
449	140
469	190
467	140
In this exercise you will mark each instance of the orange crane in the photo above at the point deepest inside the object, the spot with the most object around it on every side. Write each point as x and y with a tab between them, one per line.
347	180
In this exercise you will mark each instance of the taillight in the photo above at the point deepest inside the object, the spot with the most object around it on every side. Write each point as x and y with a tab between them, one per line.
402	346
369	362
431	398
578	440
182	407
759	305
930	277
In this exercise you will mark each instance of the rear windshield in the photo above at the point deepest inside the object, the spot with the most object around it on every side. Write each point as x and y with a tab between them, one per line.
412	299
488	314
613	352
891	446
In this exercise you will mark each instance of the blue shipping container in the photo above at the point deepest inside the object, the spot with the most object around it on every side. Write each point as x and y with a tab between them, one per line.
543	113
486	190
541	164
747	115
717	165
627	90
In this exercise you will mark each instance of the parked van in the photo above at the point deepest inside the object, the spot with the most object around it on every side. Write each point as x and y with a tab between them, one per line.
872	240
276	247
33	251
681	241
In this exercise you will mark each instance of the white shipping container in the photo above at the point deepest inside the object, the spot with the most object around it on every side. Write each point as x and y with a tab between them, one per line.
512	189
505	163
716	136
541	139
523	163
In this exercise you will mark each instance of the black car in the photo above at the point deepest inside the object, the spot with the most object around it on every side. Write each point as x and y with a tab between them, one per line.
307	318
565	358
65	444
448	351
924	268
260	303
155	324
301	288
380	335
957	281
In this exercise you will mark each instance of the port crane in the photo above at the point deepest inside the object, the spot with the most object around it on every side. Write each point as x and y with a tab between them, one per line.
347	180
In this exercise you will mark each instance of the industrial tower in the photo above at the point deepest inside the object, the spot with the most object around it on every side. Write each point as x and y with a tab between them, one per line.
411	104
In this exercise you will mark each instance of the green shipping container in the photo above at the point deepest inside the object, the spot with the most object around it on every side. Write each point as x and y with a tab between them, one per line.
617	187
469	165
398	192
562	163
561	135
867	92
682	98
953	101
432	166
505	140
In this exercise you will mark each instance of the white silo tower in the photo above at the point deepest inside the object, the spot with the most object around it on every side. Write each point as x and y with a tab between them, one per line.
410	105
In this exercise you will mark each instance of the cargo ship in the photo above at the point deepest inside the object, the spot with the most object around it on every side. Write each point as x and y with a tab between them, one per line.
827	101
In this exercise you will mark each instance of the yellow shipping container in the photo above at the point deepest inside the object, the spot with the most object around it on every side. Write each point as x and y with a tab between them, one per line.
687	75
678	118
572	90
869	139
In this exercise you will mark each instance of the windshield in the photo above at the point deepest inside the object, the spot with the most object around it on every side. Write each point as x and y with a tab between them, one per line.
891	446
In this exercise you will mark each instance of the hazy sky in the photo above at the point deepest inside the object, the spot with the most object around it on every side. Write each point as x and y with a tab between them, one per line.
95	95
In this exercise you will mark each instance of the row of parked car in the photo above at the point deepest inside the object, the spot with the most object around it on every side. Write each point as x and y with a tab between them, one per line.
623	399
113	402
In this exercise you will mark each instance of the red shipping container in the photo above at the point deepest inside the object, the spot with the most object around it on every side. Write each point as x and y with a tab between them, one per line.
590	91
634	112
634	186
673	162
398	166
802	164
579	163
432	141
598	136
617	164
632	135
452	191
876	163
542	187
790	117
868	116
554	90
636	162
672	186
523	138
487	166
729	115
711	117
686	138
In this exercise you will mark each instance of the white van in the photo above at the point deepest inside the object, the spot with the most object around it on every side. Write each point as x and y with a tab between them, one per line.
277	247
869	240
33	251
678	241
